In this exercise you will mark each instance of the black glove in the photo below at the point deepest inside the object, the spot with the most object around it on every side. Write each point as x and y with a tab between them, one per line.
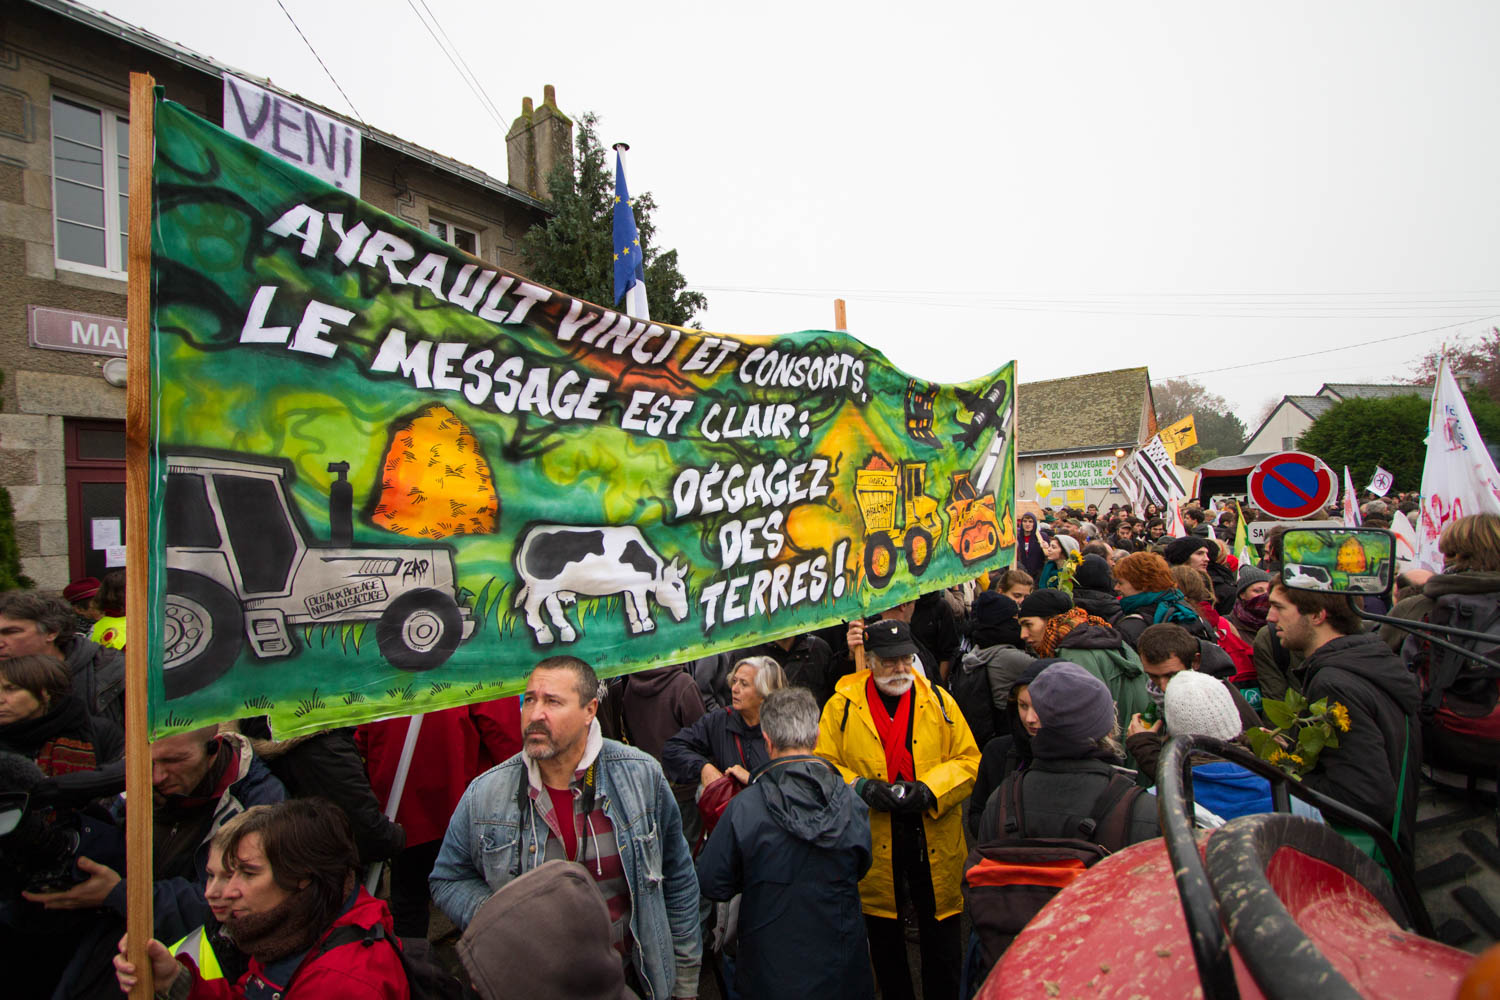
917	798
879	795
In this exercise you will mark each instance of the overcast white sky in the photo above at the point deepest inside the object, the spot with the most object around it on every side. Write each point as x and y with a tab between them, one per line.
1079	186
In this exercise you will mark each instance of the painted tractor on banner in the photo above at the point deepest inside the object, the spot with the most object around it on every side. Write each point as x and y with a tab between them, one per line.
243	567
898	514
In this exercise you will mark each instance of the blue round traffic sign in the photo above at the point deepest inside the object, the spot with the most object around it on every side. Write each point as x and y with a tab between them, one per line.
1292	485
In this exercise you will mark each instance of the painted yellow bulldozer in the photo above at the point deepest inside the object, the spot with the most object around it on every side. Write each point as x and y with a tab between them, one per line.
973	529
898	514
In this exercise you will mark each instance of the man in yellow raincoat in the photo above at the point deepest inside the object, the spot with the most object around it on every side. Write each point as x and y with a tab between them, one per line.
907	750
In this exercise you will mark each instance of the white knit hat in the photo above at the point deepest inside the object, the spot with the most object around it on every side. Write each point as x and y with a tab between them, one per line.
1199	705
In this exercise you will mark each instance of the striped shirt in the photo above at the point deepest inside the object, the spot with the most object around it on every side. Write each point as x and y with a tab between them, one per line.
597	850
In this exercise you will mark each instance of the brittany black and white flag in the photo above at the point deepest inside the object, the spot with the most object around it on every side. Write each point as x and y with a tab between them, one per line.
1151	467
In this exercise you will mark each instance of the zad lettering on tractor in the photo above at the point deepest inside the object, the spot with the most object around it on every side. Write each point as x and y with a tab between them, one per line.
242	567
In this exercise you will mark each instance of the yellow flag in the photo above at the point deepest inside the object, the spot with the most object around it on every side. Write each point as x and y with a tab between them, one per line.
1181	435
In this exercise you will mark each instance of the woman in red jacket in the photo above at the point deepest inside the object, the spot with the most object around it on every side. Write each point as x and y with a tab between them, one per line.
292	903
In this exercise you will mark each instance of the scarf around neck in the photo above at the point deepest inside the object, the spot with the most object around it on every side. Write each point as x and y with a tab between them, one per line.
68	717
892	730
284	930
1060	625
1251	615
1169	605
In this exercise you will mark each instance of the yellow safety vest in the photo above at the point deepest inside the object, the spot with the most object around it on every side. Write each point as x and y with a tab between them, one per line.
109	632
200	949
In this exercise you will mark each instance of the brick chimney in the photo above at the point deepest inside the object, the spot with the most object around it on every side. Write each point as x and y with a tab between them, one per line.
539	140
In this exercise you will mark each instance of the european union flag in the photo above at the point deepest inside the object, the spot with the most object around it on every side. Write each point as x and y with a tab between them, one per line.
630	265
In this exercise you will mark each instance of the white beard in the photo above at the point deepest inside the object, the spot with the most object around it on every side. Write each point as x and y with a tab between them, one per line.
894	686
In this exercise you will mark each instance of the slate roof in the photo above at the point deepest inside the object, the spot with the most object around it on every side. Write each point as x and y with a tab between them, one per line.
1359	390
1313	406
1082	413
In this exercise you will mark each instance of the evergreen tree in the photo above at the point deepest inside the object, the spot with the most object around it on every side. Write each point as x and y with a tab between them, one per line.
573	251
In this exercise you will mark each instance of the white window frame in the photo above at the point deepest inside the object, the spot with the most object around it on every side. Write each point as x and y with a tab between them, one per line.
452	226
113	224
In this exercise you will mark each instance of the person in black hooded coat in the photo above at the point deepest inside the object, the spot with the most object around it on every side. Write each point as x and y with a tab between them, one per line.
795	843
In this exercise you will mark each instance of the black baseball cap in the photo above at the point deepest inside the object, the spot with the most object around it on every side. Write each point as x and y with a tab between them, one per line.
889	638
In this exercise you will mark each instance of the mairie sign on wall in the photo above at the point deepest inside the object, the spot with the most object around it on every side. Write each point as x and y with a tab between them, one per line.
388	477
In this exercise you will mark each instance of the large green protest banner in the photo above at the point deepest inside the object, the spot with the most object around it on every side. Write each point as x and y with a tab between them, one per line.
388	477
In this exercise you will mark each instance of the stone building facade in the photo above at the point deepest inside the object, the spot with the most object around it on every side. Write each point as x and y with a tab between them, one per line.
64	96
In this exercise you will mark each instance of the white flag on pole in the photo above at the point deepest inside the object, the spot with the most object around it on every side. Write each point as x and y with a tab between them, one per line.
1406	541
1132	489
1351	502
1458	478
1381	482
1175	526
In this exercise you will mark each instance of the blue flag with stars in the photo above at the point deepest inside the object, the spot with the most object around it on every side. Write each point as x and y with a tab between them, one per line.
630	266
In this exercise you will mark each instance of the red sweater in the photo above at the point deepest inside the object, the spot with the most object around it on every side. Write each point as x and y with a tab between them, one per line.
456	745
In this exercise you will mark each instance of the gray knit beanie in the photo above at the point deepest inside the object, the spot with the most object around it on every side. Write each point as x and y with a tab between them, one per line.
1249	574
1075	709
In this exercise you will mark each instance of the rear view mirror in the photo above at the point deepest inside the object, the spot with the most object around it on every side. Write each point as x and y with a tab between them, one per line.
1338	560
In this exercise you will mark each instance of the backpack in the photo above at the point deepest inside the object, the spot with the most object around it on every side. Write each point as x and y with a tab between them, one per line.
425	978
1451	681
970	687
1009	879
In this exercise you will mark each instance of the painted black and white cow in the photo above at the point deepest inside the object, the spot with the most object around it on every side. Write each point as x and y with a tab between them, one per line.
558	563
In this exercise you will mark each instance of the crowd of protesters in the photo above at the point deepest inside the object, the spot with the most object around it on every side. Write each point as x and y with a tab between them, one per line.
785	818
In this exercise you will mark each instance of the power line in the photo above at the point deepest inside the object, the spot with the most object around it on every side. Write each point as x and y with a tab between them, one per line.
323	64
452	62
1445	293
946	300
472	75
1334	350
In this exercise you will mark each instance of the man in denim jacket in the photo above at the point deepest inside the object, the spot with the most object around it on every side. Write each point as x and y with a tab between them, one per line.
572	794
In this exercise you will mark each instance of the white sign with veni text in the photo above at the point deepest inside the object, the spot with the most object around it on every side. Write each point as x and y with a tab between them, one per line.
309	140
66	330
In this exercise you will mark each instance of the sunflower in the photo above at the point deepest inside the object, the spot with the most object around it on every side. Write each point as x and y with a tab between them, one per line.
1340	716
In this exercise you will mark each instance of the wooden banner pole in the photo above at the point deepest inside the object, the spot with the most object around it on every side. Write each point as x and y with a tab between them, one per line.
138	811
841	322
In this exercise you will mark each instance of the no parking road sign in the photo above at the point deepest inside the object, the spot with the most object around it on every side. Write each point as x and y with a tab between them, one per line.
1292	485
